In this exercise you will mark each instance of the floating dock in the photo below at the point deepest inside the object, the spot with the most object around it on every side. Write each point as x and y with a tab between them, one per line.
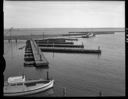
69	50
28	59
61	39
44	42
52	42
28	54
60	45
39	58
29	63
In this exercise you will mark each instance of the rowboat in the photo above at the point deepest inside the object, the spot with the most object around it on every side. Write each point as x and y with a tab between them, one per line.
18	86
88	35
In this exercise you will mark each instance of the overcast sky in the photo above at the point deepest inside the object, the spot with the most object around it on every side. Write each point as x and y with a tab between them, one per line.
79	14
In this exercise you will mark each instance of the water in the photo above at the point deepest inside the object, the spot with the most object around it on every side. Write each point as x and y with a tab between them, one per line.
81	74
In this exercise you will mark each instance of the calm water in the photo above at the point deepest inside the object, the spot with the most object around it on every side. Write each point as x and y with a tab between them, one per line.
80	74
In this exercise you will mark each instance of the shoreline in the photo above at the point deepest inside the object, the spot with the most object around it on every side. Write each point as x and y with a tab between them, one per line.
34	36
27	33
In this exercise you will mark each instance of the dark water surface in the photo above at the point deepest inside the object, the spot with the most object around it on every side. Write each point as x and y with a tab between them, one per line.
80	74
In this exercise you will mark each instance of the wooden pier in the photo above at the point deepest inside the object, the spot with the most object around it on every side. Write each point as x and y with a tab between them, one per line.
60	45
28	54
46	42
69	50
29	63
39	58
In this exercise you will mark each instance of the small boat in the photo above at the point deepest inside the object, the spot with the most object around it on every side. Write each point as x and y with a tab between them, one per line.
21	47
91	34
18	86
88	35
85	36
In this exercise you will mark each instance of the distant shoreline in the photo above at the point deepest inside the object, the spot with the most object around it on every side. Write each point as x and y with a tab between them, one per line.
36	36
69	29
26	33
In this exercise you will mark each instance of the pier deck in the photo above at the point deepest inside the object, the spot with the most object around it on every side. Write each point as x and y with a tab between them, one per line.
38	55
60	45
46	42
69	50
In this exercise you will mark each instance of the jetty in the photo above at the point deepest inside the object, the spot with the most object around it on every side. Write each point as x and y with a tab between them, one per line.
60	45
51	42
69	50
38	55
33	54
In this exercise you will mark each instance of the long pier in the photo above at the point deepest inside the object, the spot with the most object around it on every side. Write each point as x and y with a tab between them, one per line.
51	42
38	55
69	50
60	45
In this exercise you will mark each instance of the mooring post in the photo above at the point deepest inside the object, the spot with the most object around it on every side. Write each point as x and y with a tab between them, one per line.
47	76
98	47
43	35
9	40
40	57
53	50
100	93
82	45
16	40
64	91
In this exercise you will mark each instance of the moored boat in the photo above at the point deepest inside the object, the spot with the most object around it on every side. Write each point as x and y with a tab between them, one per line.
18	86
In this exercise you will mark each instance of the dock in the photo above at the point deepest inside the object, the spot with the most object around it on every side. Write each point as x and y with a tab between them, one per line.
51	42
28	54
39	58
60	45
70	50
29	63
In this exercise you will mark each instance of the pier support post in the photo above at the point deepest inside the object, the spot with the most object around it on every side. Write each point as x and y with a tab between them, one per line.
100	93
47	76
40	58
9	40
16	40
98	47
64	91
82	45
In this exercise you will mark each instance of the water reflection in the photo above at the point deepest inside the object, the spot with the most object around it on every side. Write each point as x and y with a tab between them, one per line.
47	93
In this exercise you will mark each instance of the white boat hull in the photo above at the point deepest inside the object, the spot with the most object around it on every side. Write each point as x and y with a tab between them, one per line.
29	91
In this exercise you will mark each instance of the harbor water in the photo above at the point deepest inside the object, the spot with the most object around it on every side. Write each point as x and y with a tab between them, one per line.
81	74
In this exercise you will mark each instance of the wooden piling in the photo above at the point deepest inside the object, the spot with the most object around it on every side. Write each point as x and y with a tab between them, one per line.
64	92
100	93
47	75
98	47
16	40
9	40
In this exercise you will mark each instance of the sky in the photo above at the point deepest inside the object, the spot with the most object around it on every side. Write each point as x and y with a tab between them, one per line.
67	14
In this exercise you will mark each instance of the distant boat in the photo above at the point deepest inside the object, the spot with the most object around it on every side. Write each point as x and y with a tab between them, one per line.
88	35
21	47
85	36
18	86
